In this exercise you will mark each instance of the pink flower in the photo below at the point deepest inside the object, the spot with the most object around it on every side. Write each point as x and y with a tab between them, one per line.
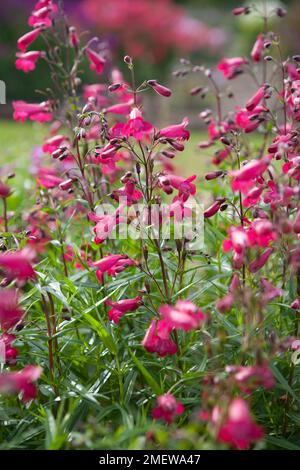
185	187
216	130
128	192
244	178
35	112
17	264
97	62
112	265
157	340
26	61
28	38
54	143
105	224
120	108
250	378
258	48
184	315
167	408
137	127
253	196
159	89
249	120
261	233
10	311
295	305
253	102
121	307
10	353
260	261
21	382
239	429
230	67
177	131
238	240
48	178
41	18
225	304
269	291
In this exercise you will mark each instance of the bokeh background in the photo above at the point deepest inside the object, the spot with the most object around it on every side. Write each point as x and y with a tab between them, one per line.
155	32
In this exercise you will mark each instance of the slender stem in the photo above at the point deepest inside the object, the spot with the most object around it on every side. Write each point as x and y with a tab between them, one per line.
50	343
5	214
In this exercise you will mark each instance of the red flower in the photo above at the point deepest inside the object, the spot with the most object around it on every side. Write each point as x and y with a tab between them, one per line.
177	131
167	408
17	264
10	311
112	265
184	315
121	307
250	378
253	102
239	429
8	352
158	341
244	178
54	143
28	38
26	61
260	261
258	48
21	382
137	127
97	62
230	67
35	112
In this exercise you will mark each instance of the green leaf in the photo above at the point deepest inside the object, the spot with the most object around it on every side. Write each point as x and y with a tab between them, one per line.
146	374
278	375
283	443
102	333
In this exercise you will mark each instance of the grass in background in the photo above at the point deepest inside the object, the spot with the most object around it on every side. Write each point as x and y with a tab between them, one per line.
19	139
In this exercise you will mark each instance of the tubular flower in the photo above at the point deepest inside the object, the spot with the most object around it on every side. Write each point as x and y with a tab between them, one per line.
35	112
112	265
167	408
157	340
231	67
26	61
97	62
184	315
25	41
17	264
121	307
258	47
239	429
21	382
176	131
9	352
10	310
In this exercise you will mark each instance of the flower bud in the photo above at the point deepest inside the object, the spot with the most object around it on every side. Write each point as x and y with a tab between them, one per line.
295	305
128	60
